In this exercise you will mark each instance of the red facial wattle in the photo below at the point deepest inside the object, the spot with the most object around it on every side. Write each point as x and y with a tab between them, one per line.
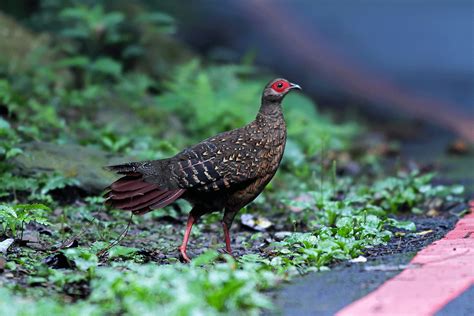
280	86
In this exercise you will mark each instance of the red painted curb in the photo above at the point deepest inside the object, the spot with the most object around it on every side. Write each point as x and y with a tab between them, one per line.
436	275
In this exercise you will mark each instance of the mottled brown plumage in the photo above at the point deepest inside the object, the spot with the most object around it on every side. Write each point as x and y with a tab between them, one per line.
222	173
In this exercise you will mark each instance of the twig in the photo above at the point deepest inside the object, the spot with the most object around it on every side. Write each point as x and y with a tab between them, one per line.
69	240
119	238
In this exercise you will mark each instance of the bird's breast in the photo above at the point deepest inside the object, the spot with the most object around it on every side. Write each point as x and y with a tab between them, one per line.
271	148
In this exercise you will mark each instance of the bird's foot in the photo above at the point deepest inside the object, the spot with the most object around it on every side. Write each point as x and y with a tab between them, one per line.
183	256
228	252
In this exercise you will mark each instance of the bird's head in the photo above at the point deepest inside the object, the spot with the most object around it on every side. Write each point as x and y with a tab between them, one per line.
276	90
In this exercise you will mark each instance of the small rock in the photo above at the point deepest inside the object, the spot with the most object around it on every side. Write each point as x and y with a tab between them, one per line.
432	212
359	259
4	245
58	261
279	236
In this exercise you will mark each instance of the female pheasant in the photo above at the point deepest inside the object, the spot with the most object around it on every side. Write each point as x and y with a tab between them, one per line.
222	173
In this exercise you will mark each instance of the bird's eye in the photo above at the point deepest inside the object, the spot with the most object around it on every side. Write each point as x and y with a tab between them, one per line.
280	86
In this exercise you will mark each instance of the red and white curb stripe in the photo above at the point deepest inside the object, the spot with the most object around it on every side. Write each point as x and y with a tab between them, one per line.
436	275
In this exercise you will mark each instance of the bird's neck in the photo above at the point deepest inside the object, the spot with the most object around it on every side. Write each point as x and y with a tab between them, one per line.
271	124
270	111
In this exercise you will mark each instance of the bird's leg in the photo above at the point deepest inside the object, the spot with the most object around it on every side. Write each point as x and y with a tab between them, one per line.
226	224
227	238
182	249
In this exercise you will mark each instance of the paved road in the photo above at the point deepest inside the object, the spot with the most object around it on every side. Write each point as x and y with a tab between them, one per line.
438	280
437	275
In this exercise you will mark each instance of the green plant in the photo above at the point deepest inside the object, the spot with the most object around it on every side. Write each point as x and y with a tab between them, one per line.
220	289
38	186
351	231
91	23
406	192
14	217
84	260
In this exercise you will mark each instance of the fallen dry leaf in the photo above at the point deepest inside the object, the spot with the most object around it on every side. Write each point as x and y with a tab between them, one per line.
425	232
258	223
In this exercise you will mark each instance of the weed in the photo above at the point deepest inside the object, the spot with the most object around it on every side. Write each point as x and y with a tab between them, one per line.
14	217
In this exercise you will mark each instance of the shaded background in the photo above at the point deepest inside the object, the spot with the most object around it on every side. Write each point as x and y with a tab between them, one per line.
387	57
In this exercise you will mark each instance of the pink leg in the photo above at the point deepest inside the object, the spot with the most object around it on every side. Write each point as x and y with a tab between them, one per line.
182	248
227	238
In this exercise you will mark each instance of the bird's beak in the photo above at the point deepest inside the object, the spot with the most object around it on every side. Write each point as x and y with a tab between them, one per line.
295	86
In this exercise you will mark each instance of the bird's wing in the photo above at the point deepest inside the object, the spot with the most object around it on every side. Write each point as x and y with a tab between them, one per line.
216	163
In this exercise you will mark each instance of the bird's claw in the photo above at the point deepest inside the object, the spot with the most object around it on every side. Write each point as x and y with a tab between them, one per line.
183	256
227	252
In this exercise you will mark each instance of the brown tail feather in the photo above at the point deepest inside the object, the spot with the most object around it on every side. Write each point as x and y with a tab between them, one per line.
119	195
131	193
128	184
133	201
165	198
170	197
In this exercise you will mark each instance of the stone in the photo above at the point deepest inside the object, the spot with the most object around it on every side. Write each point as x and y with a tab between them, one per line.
84	164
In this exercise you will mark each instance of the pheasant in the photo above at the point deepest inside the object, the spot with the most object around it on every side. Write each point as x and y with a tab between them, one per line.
221	173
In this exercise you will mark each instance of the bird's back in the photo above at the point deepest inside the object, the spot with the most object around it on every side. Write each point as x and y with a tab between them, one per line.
232	157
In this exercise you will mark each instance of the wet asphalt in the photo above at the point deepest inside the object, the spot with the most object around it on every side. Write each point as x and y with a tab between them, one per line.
462	305
325	293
